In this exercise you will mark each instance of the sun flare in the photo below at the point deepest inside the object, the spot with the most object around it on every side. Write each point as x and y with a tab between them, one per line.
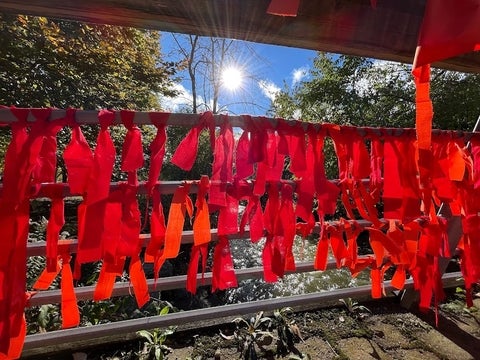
232	78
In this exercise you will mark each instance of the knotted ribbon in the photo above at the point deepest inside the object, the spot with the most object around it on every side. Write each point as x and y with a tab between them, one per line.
69	308
78	158
186	152
201	235
20	162
91	213
222	165
157	149
132	150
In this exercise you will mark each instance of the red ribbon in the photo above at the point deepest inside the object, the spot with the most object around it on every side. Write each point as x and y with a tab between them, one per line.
337	244
186	152
222	165
456	34
78	158
46	163
292	143
121	239
69	308
91	212
327	193
376	164
181	204
257	150
201	236
305	188
285	226
106	278
243	165
55	224
254	217
401	194
20	161
154	251
157	149
269	171
131	243
223	273
132	150
139	281
228	214
197	252
104	159
280	219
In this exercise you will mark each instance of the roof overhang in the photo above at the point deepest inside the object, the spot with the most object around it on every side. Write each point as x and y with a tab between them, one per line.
389	31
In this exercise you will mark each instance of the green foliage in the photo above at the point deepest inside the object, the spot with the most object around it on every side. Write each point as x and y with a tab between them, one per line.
64	64
61	63
352	90
354	308
154	343
48	318
251	334
287	330
331	93
259	332
4	141
456	99
118	309
36	264
154	340
43	318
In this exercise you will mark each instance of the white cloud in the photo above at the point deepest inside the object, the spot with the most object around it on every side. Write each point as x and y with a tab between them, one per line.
269	89
299	74
174	104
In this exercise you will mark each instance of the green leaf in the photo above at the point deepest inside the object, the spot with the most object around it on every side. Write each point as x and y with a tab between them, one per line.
164	310
146	335
158	353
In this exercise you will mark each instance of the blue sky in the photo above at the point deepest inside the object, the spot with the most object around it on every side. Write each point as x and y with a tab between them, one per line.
265	73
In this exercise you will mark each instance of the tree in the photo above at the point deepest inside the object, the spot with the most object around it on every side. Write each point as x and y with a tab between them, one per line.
61	63
332	92
205	60
359	91
64	64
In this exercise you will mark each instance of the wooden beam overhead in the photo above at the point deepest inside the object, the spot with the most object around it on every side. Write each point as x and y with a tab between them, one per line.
353	27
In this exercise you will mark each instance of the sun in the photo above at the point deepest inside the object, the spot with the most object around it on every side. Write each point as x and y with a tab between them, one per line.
232	78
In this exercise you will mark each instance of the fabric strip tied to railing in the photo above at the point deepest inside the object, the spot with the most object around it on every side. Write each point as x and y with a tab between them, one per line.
248	187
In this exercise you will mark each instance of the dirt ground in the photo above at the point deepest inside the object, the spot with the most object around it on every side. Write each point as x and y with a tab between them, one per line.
385	332
388	332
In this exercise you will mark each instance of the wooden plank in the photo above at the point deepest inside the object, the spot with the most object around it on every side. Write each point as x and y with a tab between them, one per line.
389	31
61	340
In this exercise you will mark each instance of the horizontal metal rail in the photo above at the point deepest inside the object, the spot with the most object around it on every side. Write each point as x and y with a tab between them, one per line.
62	340
165	187
188	120
39	248
162	284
